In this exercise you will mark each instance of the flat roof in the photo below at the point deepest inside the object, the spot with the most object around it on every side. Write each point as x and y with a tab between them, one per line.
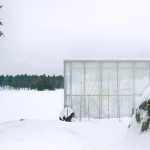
107	59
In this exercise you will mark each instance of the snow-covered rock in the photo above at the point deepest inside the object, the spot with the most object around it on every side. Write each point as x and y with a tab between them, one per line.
141	120
135	138
143	115
67	114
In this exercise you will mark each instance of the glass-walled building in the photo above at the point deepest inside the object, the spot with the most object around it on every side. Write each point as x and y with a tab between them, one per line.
104	88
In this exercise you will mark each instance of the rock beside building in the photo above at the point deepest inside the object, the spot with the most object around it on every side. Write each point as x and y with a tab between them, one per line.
140	122
143	115
67	114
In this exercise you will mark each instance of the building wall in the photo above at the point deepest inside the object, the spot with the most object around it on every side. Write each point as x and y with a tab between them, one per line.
105	88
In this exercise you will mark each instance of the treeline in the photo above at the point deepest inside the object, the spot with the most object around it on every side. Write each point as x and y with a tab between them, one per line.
36	82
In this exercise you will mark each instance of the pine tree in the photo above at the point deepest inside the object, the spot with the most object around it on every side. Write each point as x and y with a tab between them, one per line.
1	34
40	86
32	82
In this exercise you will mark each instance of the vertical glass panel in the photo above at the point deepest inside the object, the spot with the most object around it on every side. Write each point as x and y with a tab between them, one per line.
125	64
109	64
141	80
112	106
141	64
68	77
92	78
126	105
109	81
125	81
84	107
105	107
77	78
137	101
76	103
94	102
69	101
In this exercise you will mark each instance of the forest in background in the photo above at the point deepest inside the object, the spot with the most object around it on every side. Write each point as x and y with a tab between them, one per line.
40	83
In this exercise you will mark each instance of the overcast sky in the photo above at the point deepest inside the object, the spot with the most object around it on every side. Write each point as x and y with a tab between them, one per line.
40	34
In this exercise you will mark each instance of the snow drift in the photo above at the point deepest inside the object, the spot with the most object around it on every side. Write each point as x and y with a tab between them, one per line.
59	135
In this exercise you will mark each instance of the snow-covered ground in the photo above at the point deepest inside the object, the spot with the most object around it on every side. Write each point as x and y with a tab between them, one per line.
23	104
58	135
41	129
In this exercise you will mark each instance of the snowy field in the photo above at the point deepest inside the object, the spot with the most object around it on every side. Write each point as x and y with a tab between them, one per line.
23	104
41	129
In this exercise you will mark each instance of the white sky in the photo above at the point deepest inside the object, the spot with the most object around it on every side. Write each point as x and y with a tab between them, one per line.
40	34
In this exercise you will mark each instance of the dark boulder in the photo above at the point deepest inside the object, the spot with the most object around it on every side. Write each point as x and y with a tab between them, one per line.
67	114
143	115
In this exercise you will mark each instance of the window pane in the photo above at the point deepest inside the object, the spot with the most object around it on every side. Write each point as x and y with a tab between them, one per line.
76	101
141	64
104	106
109	64
109	81
125	81
126	105
137	101
77	78
92	79
125	64
141	80
112	106
68	77
94	107
69	101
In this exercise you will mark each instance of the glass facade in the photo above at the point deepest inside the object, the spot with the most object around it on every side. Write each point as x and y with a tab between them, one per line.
105	88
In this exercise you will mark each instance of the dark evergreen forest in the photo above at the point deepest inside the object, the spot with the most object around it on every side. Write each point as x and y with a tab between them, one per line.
36	82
